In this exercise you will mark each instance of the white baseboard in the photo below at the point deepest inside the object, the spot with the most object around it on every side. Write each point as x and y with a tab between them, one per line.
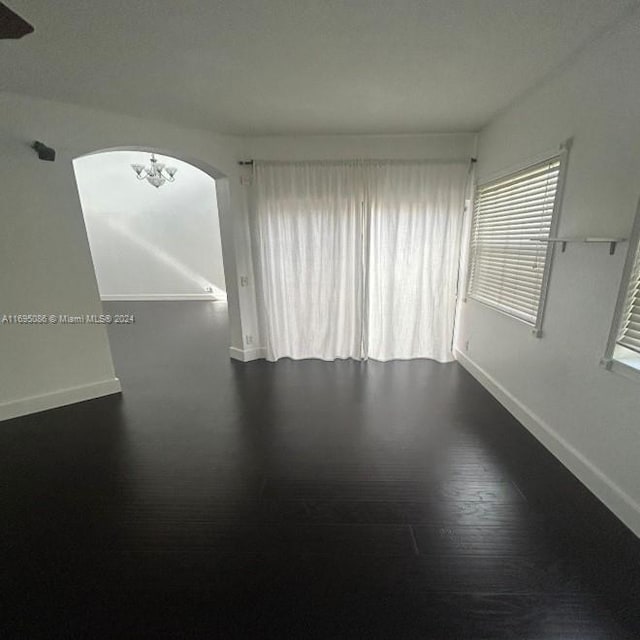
158	296
247	355
607	491
33	404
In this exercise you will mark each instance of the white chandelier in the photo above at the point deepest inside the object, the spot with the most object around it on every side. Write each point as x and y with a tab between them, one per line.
156	174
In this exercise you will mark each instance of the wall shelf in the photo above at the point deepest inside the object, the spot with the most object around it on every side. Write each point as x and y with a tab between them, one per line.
612	242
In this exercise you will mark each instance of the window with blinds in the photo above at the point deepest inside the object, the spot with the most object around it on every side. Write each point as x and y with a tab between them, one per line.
509	256
629	333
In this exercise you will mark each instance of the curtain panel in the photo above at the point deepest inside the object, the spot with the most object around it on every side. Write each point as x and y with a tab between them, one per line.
357	259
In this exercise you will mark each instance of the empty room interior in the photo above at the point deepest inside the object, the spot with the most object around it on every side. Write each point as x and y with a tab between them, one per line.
320	319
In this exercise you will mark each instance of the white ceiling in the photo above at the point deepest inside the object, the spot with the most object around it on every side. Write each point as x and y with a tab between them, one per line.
299	66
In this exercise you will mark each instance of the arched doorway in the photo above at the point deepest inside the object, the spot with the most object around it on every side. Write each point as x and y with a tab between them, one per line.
150	243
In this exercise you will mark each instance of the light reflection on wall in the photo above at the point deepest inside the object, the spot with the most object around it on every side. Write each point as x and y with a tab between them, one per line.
158	254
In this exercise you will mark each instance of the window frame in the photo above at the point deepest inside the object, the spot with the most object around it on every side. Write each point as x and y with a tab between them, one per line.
562	156
610	361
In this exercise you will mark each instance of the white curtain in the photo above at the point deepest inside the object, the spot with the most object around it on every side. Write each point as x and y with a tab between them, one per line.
357	259
308	244
415	225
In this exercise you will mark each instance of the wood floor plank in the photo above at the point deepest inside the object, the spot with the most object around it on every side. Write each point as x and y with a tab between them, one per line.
396	491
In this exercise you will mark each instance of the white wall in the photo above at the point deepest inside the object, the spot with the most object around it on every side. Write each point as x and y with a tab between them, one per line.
589	417
44	254
443	146
150	242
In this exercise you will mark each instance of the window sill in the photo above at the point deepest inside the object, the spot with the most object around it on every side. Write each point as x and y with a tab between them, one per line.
629	367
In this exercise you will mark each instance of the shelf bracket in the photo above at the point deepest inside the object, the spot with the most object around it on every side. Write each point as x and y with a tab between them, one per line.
612	242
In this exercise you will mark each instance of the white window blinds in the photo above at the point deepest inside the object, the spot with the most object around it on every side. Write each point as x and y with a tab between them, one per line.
629	335
513	216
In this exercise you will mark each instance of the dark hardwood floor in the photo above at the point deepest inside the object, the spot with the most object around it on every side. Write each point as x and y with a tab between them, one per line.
216	499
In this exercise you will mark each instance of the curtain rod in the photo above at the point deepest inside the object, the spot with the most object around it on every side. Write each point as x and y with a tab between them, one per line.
244	163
